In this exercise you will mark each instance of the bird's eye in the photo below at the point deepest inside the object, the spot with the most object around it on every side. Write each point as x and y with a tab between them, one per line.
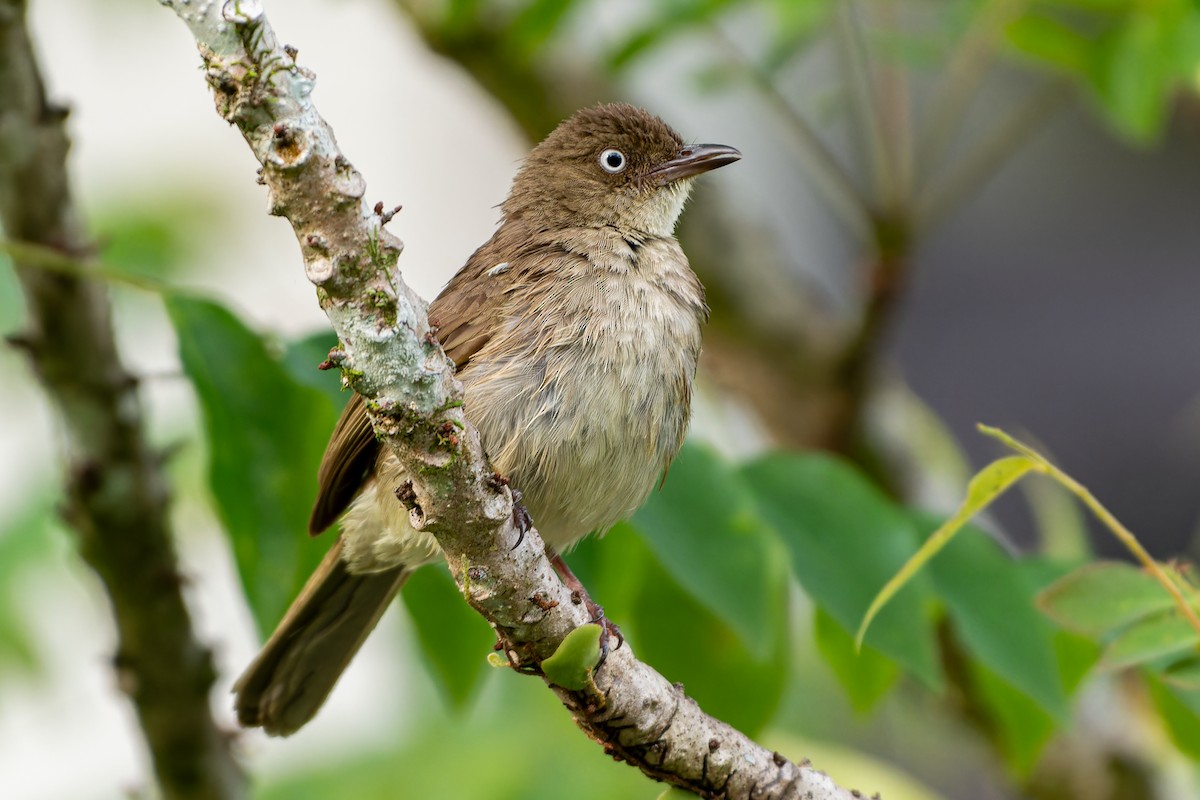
612	161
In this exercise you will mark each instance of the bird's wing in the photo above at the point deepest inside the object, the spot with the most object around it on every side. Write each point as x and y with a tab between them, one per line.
464	315
348	458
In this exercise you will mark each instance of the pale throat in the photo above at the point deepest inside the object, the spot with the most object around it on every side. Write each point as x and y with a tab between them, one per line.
657	214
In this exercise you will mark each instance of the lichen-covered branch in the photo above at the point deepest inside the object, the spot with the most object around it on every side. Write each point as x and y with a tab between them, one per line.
116	494
389	355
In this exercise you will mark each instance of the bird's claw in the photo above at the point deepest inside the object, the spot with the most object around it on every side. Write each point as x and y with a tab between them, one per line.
610	629
520	517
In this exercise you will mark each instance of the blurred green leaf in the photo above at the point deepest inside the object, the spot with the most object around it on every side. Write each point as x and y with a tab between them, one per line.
1103	596
301	357
1149	639
536	23
794	26
1134	56
266	434
1184	674
520	744
454	639
670	18
1047	39
992	609
1136	70
12	306
686	642
611	567
153	237
865	674
846	540
26	540
1180	713
705	529
1022	726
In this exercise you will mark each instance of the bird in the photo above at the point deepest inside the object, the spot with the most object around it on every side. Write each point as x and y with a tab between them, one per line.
575	331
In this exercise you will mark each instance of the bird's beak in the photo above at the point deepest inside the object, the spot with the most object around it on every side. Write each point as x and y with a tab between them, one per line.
692	160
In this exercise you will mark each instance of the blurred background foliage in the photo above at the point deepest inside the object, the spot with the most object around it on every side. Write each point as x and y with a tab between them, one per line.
1000	672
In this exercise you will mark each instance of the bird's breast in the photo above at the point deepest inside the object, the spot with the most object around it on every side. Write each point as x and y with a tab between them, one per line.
586	398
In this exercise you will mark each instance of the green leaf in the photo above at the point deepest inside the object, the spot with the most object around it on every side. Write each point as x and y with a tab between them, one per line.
845	540
1103	596
705	529
12	306
670	20
991	606
1022	726
988	484
451	635
1180	713
517	745
152	237
1184	674
865	674
686	642
265	433
535	23
26	541
1045	38
577	655
301	357
1160	636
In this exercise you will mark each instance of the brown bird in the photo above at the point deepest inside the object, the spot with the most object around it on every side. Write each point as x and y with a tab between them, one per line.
575	332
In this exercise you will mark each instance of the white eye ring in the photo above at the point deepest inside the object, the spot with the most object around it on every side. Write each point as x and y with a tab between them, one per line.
612	161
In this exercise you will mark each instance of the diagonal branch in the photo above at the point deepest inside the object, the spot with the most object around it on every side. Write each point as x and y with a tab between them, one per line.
116	494
390	357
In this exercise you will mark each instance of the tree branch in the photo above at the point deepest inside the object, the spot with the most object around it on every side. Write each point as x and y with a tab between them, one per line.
117	499
389	356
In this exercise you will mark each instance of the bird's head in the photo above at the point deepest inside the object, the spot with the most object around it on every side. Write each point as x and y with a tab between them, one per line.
611	165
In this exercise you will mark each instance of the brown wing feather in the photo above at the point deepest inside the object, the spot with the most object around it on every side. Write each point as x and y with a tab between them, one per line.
464	314
350	454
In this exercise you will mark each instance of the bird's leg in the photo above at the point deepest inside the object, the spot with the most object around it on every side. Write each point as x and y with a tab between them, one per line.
579	594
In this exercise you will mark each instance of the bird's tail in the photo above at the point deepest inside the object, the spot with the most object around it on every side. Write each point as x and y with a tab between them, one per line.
286	684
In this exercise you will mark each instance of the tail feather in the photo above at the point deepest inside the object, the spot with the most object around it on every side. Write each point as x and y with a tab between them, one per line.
286	684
